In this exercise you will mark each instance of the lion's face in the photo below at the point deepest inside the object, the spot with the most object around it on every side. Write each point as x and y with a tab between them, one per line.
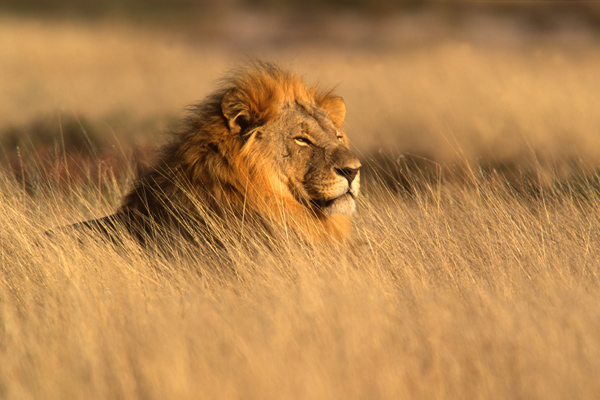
311	156
295	155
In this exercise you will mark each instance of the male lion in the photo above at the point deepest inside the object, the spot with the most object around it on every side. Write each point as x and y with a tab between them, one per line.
265	149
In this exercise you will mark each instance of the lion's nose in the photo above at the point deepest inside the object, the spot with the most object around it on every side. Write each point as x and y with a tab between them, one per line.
348	173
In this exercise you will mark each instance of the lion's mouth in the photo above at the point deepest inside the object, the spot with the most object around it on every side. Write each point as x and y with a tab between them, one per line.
344	205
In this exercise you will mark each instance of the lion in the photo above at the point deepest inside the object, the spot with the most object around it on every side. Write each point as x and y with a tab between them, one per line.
265	150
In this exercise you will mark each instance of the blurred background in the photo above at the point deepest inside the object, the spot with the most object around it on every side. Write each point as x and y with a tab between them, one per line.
508	88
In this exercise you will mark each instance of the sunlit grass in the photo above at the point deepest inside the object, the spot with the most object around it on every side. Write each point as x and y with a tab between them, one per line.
453	292
473	271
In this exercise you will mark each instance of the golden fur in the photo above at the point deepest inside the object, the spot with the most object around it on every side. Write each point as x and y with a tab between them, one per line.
265	149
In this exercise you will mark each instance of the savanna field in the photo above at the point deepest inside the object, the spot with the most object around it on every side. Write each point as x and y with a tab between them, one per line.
473	272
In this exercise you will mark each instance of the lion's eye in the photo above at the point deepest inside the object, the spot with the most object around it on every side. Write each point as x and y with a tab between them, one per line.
302	141
340	138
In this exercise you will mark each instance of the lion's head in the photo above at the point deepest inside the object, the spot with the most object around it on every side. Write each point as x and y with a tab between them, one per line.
265	144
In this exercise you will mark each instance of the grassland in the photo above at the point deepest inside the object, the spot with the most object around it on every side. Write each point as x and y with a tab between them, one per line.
472	275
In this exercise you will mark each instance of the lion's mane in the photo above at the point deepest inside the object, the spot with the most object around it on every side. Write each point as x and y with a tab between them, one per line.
212	170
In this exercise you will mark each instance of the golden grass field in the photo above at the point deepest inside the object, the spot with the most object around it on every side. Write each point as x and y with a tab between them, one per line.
479	281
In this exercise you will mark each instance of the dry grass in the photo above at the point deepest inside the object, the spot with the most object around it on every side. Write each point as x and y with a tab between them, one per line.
460	292
490	96
457	289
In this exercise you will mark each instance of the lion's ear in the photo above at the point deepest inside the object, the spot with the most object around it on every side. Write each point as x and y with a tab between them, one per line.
235	111
336	108
245	110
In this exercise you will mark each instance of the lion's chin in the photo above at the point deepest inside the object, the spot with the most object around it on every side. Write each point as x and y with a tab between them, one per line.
343	205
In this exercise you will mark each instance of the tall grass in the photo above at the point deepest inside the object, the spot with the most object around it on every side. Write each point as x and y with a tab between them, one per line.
473	271
476	290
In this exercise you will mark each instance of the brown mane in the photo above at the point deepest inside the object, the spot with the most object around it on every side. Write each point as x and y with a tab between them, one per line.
212	169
